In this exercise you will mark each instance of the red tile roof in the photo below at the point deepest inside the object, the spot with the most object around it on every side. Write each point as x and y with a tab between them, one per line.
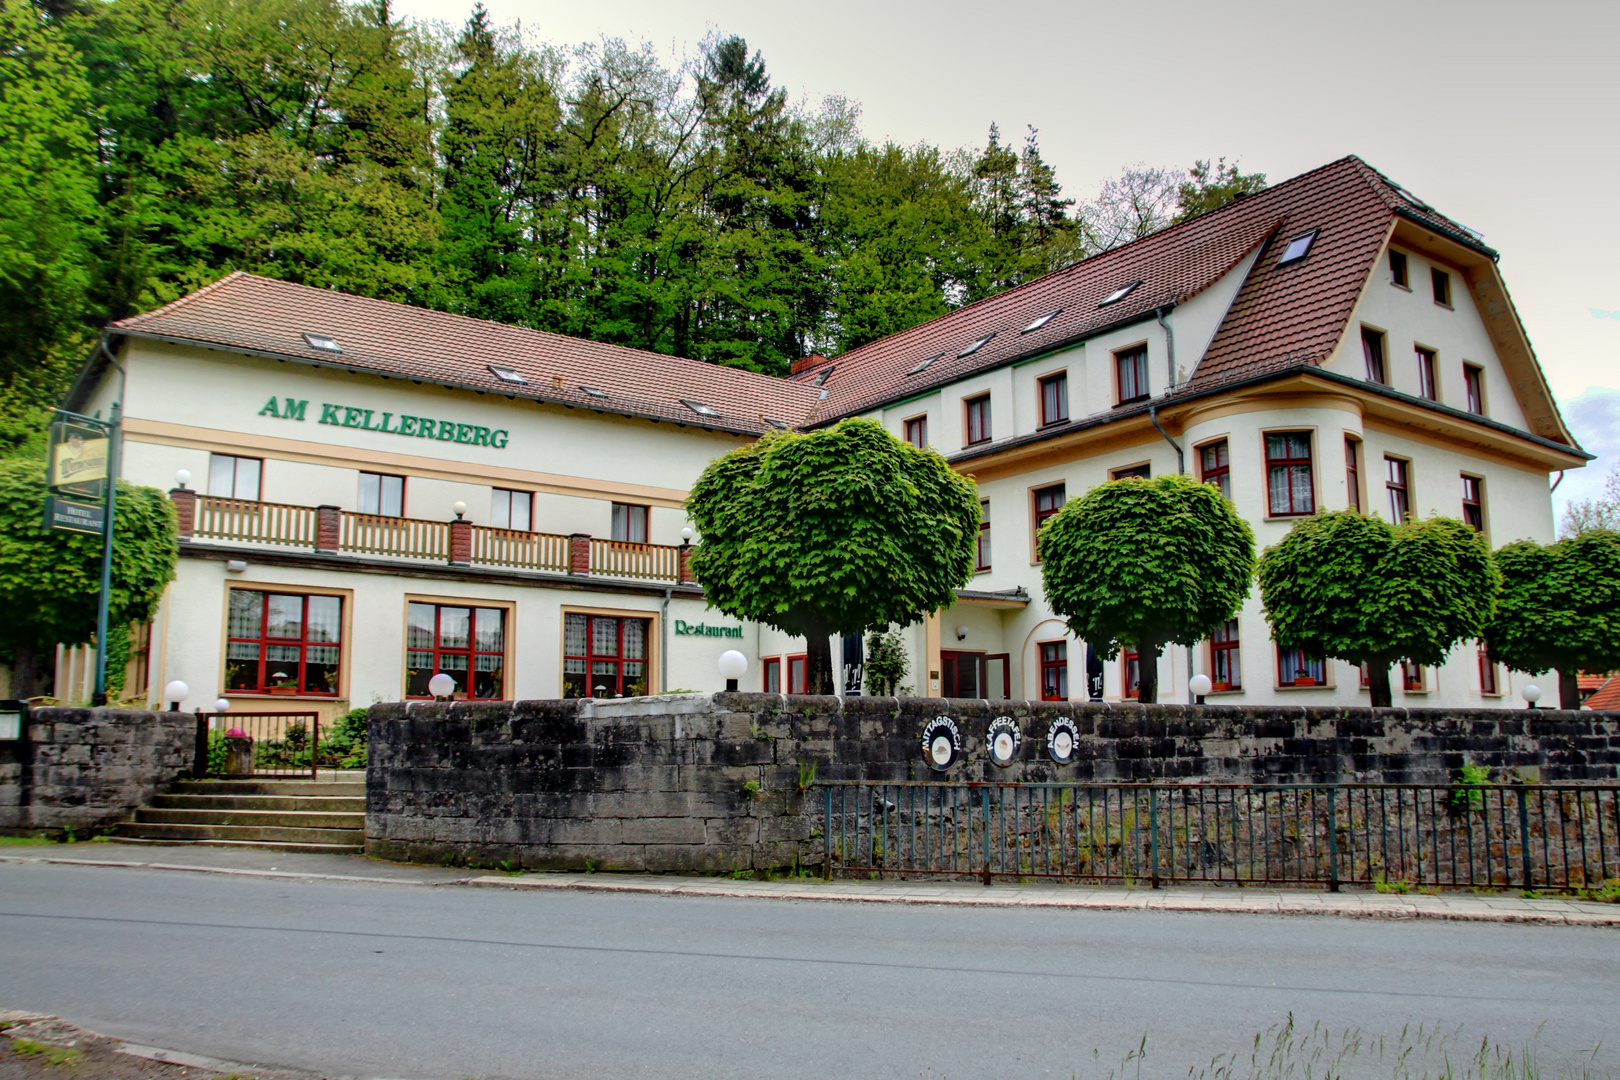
1607	698
264	316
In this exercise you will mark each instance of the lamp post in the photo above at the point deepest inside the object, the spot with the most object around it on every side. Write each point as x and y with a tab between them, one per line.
175	693
1532	694
441	686
1199	685
733	665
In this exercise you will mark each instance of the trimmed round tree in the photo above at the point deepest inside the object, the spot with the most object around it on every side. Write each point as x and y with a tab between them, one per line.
835	531
1355	587
50	580
1560	608
1146	563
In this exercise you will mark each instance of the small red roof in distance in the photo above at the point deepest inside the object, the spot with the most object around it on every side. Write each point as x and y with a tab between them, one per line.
265	316
1607	699
1282	317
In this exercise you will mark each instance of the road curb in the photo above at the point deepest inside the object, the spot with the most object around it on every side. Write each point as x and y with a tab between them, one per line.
230	870
1451	909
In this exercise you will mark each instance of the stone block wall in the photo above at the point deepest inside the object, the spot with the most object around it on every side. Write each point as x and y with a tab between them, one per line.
86	769
716	782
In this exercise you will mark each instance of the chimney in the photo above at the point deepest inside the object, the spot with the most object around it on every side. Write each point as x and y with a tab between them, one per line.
805	363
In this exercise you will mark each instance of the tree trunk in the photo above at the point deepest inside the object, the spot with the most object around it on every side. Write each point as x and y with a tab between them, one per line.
1378	684
24	670
1147	674
818	673
1569	689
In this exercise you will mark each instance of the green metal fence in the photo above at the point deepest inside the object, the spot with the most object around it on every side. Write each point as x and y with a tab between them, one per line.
1555	837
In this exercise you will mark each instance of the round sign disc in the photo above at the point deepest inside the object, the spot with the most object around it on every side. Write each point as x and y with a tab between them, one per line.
1062	740
941	743
1002	740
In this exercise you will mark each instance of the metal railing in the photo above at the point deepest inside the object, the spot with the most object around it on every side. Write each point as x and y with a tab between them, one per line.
619	558
257	522
1397	837
277	744
527	550
412	538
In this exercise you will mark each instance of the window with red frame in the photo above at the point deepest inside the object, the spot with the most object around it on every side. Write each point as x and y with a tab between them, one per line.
917	431
1397	481
1130	675
1473	502
1132	472
978	419
1054	670
1414	678
1288	473
466	643
773	675
798	668
285	643
1372	351
1055	398
1487	672
1225	661
1048	501
1215	467
1132	368
982	557
604	656
1474	385
1296	667
1428	386
1352	472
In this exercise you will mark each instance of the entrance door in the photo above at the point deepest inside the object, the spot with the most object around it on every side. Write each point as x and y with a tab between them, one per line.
962	674
997	677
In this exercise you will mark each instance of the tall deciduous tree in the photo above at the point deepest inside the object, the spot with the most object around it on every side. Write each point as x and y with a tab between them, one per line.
1602	512
836	531
1560	608
50	581
1211	186
1356	587
1145	563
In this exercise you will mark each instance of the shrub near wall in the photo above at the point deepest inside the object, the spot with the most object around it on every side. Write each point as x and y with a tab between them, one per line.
712	782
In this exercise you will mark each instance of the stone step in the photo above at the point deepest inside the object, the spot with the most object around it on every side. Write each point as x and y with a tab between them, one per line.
297	819
338	803
257	845
343	788
274	834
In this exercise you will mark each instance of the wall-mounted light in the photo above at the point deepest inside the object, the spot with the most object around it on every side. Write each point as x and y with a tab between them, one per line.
961	633
235	566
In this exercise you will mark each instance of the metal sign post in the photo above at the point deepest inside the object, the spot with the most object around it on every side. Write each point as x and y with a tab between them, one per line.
83	467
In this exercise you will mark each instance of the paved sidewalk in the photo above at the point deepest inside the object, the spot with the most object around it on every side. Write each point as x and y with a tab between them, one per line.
1351	904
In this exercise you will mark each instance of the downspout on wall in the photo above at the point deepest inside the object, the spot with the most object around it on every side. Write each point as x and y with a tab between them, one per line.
1181	460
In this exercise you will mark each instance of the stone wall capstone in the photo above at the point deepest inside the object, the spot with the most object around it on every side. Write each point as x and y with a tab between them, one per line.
87	769
701	782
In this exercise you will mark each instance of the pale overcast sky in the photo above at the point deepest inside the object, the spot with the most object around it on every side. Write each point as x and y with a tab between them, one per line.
1500	115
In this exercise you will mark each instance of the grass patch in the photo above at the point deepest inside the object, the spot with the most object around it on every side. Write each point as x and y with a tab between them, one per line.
65	1056
24	841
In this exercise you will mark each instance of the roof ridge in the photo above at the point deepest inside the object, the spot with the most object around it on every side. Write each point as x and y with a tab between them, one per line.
181	301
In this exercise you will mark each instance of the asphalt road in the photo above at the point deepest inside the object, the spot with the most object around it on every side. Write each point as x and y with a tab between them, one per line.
445	981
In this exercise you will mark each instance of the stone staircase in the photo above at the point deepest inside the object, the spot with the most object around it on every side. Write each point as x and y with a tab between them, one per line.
324	817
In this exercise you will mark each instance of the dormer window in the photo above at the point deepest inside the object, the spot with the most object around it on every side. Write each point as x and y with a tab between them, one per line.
700	408
1298	248
977	345
1119	294
322	342
1042	321
506	374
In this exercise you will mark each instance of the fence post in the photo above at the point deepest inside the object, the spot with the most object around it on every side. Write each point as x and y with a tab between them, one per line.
826	835
579	553
185	510
1153	832
986	805
328	529
199	752
1333	840
1524	838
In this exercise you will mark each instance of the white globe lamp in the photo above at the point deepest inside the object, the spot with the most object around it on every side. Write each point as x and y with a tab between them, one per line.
686	535
1200	685
460	509
222	705
182	477
441	685
733	665
175	693
1532	694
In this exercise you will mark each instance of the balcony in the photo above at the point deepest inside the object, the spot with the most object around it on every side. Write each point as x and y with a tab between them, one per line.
332	530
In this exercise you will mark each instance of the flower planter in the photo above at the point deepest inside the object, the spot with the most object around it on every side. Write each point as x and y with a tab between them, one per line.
283	690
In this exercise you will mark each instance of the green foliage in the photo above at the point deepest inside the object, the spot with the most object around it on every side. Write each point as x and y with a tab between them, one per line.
1211	186
1355	587
1560	607
807	775
49	580
1465	794
886	662
1144	563
833	531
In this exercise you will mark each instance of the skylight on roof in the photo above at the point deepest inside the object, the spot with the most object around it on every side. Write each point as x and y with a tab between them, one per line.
1042	321
1119	294
780	425
506	374
1298	248
977	345
922	365
822	376
322	342
700	408
594	391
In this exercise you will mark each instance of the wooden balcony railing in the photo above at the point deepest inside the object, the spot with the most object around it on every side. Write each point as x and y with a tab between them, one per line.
411	538
256	522
617	558
525	550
